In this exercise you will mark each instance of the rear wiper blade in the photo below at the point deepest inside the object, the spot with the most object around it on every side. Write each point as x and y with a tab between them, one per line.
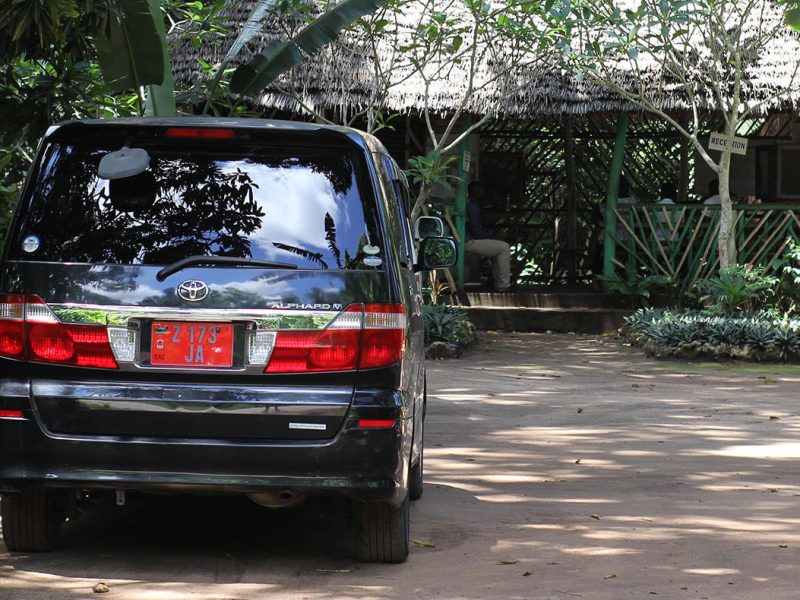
190	261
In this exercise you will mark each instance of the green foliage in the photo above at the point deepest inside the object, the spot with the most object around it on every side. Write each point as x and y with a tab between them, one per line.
788	290
431	169
738	288
129	48
435	287
792	15
637	289
279	57
692	333
31	26
447	324
252	28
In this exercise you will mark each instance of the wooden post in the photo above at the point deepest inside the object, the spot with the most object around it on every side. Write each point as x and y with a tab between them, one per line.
610	234
572	203
461	200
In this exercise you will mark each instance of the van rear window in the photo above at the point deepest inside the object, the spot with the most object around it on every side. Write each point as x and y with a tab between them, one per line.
310	207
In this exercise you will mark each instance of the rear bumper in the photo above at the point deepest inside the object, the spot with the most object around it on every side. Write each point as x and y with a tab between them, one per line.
362	464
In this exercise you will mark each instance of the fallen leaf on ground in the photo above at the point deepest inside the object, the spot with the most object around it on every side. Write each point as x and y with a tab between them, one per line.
595	516
507	562
423	544
100	588
610	576
527	574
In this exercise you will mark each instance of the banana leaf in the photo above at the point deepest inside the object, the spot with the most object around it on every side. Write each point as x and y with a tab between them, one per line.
161	97
251	29
130	50
280	56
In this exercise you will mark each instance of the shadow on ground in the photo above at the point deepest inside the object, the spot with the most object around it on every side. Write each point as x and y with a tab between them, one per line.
557	466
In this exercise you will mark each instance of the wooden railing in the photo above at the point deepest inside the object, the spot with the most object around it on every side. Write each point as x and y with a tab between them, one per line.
680	241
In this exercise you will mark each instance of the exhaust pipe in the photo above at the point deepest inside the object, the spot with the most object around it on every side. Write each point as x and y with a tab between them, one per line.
280	499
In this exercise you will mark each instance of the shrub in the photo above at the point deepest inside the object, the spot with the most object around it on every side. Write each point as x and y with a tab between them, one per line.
637	289
447	324
788	266
738	288
689	333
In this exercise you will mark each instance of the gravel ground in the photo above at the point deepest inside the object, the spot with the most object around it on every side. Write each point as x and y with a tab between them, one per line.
557	467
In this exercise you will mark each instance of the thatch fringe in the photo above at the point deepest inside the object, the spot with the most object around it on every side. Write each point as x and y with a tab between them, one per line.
342	78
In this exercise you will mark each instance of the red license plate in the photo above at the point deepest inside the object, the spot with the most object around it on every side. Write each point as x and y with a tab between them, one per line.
188	344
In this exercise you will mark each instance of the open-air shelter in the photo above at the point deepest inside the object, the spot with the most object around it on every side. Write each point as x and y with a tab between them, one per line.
551	150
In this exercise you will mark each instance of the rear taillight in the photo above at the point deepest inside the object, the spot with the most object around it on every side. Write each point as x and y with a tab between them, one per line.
29	330
12	325
361	337
205	133
384	335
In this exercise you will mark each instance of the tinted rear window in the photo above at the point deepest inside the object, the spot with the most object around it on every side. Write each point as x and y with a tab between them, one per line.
311	207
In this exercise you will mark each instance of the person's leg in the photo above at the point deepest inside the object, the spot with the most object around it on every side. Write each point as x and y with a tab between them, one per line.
500	253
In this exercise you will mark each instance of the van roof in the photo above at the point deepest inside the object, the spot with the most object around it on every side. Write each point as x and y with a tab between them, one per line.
360	137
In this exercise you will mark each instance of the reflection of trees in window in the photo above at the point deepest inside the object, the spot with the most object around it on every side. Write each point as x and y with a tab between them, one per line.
192	203
197	210
315	257
330	236
352	262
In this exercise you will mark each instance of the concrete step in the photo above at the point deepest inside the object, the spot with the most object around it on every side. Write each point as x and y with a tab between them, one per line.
539	300
561	320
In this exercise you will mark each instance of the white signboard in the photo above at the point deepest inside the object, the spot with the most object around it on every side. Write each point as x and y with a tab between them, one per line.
720	141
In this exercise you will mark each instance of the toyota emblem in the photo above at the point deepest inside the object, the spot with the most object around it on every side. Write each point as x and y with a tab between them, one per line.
192	290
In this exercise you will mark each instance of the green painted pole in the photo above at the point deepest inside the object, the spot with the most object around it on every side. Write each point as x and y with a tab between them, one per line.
461	200
610	234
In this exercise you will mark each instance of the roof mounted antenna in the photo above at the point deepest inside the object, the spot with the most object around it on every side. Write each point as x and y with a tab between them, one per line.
122	163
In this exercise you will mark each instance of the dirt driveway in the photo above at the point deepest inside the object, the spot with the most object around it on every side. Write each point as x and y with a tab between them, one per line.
557	467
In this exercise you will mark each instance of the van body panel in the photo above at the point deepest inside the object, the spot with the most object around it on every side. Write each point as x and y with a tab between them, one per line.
94	261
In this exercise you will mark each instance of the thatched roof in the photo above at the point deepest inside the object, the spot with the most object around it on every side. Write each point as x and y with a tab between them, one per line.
343	77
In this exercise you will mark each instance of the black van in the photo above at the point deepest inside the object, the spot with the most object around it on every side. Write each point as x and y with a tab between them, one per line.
213	305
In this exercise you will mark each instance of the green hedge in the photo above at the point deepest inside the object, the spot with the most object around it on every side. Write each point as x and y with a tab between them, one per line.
693	333
448	324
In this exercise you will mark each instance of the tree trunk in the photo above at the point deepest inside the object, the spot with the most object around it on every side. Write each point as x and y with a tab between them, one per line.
422	197
726	241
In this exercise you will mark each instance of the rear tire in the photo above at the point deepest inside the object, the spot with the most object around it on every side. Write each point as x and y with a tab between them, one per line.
32	520
382	531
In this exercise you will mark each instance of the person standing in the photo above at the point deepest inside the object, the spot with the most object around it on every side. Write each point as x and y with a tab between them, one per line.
713	193
481	242
663	217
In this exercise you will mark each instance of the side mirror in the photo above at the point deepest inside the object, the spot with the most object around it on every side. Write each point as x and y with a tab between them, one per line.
437	253
426	227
